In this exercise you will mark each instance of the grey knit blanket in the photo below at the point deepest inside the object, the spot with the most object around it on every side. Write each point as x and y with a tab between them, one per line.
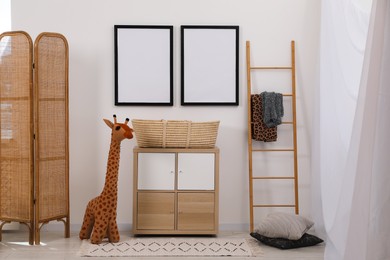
272	108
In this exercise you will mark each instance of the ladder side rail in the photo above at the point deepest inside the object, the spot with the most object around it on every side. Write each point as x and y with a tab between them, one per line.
249	101
295	142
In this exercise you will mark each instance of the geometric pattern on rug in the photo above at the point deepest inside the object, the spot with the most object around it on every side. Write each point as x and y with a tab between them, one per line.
168	247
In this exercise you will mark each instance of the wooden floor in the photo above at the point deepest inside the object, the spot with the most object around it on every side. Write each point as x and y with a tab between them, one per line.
55	246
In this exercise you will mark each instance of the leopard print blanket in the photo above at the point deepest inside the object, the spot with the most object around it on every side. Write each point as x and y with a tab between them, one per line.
260	132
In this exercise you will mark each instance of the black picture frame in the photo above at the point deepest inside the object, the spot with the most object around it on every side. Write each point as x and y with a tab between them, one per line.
210	65
143	65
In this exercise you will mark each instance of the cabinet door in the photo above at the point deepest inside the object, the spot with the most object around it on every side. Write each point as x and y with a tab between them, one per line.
156	171
156	211
196	171
196	211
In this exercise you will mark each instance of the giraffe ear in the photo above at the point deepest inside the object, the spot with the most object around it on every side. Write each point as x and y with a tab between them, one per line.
109	123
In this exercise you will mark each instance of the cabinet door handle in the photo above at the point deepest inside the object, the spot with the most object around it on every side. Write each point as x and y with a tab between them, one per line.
172	172
180	171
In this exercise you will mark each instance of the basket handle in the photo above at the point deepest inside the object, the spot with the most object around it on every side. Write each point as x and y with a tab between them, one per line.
188	134
164	133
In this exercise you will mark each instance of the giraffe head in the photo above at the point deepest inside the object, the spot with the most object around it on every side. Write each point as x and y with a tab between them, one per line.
120	131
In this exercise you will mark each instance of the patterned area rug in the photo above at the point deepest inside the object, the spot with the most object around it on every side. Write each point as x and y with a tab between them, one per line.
169	247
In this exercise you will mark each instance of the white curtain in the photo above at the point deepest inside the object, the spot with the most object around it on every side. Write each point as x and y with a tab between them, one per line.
352	151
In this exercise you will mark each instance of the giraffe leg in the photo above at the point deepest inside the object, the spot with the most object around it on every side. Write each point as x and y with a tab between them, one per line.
86	228
99	230
113	233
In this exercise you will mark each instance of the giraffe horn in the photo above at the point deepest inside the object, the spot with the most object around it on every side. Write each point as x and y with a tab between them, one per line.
114	118
127	121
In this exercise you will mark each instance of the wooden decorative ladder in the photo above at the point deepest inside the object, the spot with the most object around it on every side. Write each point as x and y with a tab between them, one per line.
251	150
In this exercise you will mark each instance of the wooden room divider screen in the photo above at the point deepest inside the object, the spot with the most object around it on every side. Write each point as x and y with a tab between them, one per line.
34	150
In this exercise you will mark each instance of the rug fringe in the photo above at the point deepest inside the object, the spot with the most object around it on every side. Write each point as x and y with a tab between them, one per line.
83	250
254	247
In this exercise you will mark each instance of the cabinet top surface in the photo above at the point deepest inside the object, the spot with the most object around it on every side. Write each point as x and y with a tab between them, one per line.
175	150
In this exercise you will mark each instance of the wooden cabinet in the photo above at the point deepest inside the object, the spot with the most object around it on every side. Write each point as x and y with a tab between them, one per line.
175	191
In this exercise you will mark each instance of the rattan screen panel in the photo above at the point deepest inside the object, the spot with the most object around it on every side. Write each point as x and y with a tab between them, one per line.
53	194
51	92
16	136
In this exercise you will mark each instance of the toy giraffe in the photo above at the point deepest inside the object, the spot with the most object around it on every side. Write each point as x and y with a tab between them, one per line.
100	215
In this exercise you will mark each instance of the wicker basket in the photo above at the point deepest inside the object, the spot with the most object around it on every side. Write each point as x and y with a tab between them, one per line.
175	133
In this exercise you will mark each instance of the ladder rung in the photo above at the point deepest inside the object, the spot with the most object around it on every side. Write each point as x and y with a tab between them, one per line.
271	68
273	150
286	123
287	94
272	205
274	178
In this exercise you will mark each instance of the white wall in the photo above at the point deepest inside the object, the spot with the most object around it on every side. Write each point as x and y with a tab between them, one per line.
88	26
5	15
